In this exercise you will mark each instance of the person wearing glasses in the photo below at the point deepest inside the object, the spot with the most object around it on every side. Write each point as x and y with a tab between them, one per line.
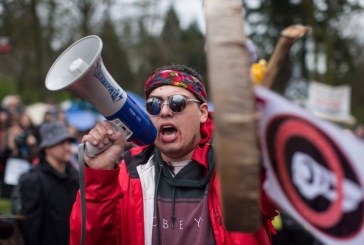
167	192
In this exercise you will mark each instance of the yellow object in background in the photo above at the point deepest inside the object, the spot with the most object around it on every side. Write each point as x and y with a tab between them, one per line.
277	223
258	71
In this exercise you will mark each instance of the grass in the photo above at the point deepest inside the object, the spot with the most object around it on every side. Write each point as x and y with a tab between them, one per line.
4	206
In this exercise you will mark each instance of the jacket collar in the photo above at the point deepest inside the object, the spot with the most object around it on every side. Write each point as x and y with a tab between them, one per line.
200	153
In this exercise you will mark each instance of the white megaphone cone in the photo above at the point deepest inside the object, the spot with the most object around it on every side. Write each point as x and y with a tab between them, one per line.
80	69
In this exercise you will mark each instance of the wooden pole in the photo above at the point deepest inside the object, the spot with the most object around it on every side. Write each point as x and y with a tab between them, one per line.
237	154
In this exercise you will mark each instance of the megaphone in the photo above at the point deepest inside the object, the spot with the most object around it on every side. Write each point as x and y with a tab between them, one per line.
80	69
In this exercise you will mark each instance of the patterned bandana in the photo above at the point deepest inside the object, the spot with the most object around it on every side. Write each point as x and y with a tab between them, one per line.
178	79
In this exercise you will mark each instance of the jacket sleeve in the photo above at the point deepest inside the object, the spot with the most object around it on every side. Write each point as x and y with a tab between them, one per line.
103	219
32	202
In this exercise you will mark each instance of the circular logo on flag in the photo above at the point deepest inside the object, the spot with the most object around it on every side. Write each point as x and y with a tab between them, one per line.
315	175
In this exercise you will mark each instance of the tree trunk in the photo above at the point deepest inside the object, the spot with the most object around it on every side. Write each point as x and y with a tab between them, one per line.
237	154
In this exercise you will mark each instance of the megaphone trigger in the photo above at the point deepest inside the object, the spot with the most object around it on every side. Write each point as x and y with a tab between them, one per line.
119	125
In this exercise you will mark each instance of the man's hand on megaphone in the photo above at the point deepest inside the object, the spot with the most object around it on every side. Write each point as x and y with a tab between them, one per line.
108	141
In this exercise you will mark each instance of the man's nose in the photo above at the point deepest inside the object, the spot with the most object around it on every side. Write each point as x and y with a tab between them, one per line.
165	111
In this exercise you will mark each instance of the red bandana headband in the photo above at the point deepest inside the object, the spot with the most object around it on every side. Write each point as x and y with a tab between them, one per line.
178	79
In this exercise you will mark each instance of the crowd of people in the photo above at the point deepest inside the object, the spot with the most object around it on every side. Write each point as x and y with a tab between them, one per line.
20	136
163	193
42	194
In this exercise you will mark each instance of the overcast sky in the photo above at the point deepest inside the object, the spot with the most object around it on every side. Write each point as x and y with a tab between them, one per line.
190	10
187	11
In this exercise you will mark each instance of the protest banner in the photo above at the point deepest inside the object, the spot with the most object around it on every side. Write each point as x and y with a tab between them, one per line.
315	170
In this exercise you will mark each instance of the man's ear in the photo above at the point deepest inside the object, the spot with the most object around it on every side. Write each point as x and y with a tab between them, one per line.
204	112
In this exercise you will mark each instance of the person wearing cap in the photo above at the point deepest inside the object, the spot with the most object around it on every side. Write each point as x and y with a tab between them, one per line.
166	192
48	190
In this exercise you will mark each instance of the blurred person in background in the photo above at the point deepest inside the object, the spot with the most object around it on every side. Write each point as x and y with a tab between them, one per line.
6	227
61	116
19	141
13	103
4	125
52	114
27	141
21	138
48	117
359	131
57	114
48	190
4	119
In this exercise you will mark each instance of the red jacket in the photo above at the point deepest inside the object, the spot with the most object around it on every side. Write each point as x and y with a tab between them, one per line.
115	211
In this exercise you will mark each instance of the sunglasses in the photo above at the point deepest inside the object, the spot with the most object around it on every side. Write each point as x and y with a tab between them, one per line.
176	103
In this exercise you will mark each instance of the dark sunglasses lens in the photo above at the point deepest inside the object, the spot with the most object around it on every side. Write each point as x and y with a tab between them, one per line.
153	106
177	103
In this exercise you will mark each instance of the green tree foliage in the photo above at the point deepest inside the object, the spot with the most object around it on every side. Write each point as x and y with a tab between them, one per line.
193	51
325	40
27	46
172	46
325	55
148	56
183	46
40	30
115	57
171	32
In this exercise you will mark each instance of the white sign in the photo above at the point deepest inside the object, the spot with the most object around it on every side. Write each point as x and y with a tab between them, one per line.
331	103
315	170
14	168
